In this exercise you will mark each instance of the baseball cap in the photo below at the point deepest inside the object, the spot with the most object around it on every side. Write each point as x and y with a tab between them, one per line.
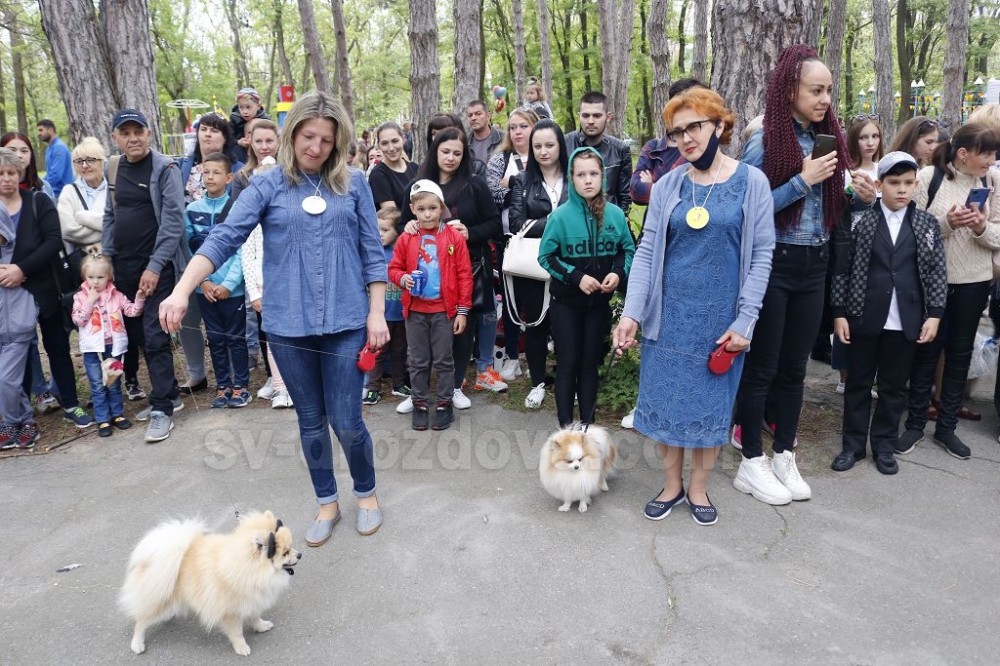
424	186
894	158
128	116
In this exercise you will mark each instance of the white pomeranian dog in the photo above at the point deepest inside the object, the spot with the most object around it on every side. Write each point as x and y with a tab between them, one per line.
226	580
574	464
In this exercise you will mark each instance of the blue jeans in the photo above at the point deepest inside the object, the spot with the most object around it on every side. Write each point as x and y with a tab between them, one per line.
322	377
226	327
107	399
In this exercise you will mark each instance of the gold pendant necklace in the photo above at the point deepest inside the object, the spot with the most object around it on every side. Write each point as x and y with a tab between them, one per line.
698	216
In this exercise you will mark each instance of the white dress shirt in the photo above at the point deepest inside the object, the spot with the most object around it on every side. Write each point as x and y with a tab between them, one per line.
895	221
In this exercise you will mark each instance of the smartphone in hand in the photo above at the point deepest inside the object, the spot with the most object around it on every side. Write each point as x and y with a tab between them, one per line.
825	144
978	197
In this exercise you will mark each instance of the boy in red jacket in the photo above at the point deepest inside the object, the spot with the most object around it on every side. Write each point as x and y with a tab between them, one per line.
436	308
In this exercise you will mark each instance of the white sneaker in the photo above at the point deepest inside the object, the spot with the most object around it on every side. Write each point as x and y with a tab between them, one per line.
787	472
405	407
628	419
756	477
267	391
841	387
535	397
281	400
459	400
510	369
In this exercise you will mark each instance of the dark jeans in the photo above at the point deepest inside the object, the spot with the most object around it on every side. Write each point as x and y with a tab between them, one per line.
156	342
890	355
961	320
322	377
262	340
511	331
579	335
429	338
107	399
55	339
782	340
226	327
397	358
529	295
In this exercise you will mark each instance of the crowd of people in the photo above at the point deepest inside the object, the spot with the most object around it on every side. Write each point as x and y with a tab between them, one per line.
507	244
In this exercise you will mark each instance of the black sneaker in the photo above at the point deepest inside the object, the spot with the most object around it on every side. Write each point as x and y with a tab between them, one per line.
952	444
420	418
371	397
443	416
886	463
402	391
133	392
104	429
121	422
908	441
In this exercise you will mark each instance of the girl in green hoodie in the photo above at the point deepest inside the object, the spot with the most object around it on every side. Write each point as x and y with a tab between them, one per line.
587	248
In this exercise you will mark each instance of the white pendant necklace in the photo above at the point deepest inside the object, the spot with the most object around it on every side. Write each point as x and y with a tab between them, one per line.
313	204
698	216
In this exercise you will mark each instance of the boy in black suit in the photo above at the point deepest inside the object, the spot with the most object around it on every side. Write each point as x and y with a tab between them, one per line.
887	296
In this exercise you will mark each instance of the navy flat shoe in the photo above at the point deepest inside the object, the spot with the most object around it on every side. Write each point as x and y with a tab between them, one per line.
658	510
704	514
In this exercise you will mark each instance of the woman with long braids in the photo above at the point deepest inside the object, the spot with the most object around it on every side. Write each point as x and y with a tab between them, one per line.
808	199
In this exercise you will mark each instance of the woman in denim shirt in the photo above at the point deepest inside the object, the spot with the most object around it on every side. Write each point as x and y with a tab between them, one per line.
326	277
808	200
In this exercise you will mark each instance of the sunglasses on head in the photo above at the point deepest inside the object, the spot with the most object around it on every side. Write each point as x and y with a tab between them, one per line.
865	117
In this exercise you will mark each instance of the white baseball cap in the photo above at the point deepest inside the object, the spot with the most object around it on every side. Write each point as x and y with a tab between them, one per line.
424	186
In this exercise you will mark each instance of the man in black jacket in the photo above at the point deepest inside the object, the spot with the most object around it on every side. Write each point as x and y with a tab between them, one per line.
594	117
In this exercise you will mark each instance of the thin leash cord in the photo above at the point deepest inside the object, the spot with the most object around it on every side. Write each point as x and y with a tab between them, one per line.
601	382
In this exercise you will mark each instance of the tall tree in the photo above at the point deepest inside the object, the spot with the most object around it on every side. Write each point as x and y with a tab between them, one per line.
617	21
659	53
747	38
585	48
562	34
954	61
682	35
343	62
884	101
545	48
3	100
314	48
468	18
17	65
240	58
425	78
644	113
520	72
699	60
279	42
836	21
129	51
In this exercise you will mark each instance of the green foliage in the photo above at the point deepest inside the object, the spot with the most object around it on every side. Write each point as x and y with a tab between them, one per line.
619	388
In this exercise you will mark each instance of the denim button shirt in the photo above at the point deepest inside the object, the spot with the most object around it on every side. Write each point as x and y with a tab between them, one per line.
316	267
810	229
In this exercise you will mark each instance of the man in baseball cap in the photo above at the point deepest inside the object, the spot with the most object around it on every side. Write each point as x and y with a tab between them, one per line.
129	116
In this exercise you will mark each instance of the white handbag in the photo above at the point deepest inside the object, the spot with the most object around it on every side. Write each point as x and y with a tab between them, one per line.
520	259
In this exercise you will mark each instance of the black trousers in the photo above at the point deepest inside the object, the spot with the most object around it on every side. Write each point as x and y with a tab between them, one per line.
262	339
580	339
530	294
890	355
55	340
156	342
784	336
958	335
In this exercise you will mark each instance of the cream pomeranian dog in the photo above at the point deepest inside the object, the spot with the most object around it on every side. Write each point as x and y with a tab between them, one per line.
226	580
575	464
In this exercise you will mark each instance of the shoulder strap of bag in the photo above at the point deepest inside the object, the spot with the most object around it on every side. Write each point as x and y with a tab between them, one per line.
80	195
112	176
935	185
511	303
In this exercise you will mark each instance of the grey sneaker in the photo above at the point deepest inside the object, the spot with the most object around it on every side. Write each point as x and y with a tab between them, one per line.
159	427
144	414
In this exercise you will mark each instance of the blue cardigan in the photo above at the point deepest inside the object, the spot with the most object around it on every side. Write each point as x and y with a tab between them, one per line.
644	300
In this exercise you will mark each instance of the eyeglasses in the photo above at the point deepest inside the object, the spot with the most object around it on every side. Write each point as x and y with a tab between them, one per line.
91	161
865	117
692	130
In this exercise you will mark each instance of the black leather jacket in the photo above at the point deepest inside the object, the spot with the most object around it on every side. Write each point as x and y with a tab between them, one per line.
531	202
617	166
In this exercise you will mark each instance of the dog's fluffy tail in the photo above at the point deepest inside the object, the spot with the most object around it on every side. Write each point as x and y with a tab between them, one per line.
152	570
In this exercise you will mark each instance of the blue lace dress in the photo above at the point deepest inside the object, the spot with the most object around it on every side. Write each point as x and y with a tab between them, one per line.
680	402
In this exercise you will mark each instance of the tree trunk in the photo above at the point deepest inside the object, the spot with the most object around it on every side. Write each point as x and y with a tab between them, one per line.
836	22
425	79
883	101
699	60
904	52
682	35
563	47
954	62
588	83
17	67
468	16
343	62
279	41
3	101
130	59
314	49
849	70
617	22
520	71
242	73
659	49
747	39
545	48
645	113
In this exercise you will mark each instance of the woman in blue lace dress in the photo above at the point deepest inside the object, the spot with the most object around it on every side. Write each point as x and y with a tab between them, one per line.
697	282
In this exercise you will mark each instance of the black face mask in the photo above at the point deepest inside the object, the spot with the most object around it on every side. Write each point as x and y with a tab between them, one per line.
707	157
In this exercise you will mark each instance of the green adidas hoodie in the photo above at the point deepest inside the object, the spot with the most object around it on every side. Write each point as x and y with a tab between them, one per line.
572	246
